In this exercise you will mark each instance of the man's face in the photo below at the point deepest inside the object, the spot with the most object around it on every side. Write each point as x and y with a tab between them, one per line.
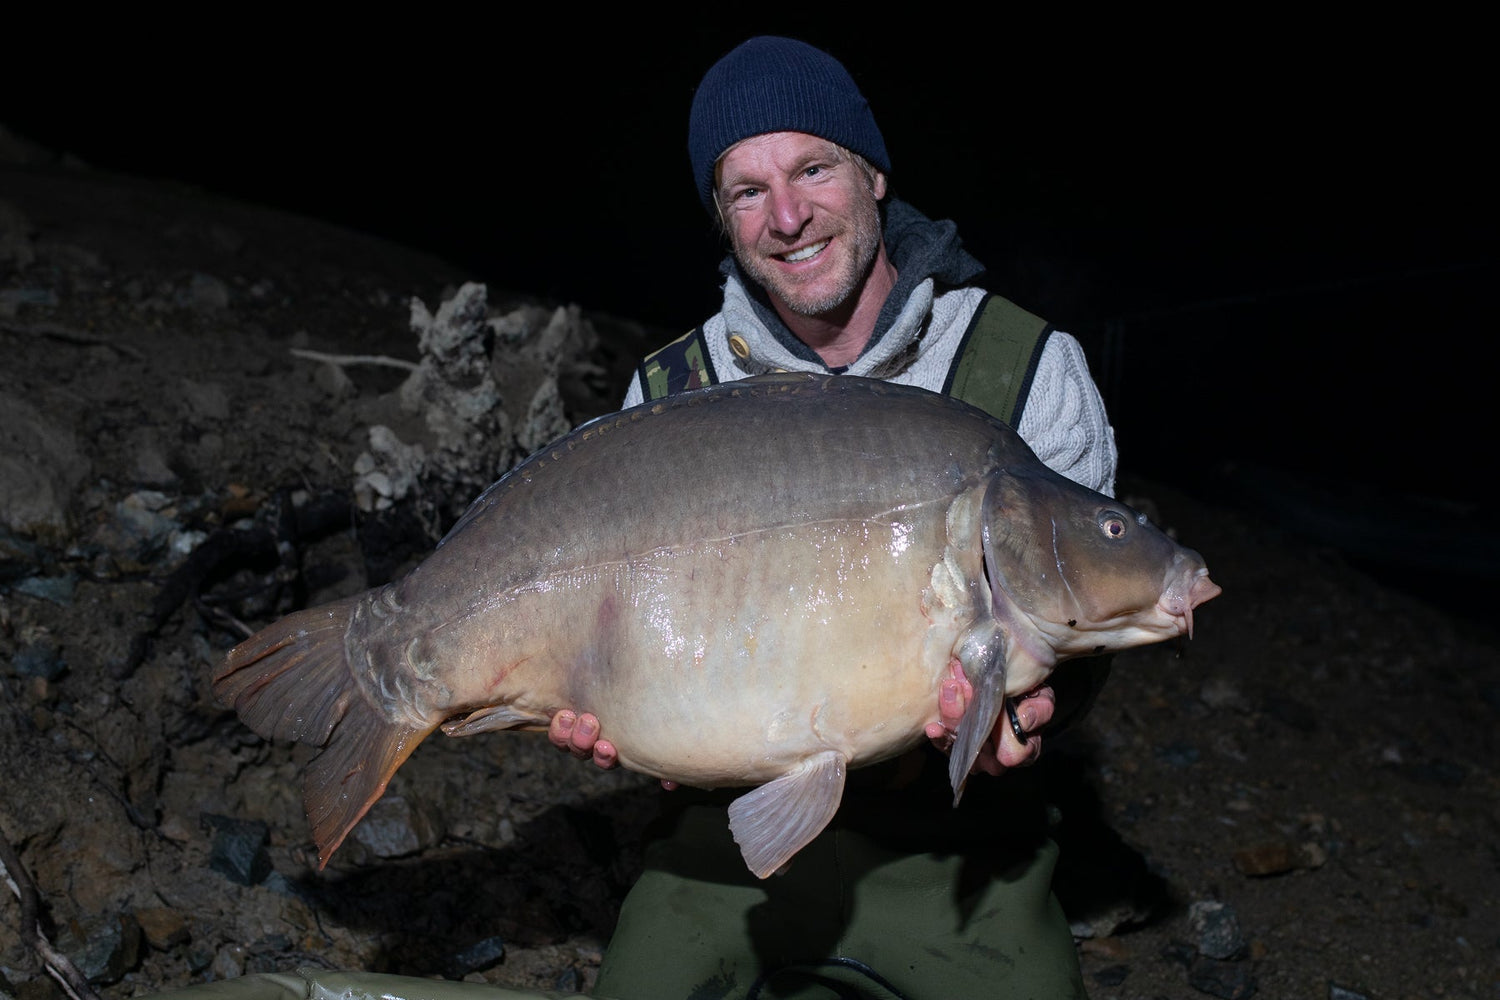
802	218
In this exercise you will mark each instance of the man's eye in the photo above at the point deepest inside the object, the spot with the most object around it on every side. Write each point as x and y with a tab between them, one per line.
746	193
813	171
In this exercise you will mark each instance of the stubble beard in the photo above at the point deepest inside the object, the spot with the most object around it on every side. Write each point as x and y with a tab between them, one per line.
862	241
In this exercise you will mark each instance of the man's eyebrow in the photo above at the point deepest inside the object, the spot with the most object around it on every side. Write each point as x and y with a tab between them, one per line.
829	154
727	180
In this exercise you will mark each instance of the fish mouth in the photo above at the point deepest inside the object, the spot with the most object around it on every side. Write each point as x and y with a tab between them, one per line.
801	254
1178	601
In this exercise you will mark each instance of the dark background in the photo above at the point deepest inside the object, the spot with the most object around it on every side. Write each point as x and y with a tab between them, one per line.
1275	240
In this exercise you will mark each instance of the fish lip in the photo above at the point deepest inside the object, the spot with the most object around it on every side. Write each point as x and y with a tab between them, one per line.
1177	602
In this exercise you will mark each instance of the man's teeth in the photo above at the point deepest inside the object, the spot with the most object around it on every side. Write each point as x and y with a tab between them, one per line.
804	253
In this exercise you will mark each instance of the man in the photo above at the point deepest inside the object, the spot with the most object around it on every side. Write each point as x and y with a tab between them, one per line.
902	896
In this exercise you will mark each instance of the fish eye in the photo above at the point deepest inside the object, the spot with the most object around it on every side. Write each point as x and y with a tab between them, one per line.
1113	524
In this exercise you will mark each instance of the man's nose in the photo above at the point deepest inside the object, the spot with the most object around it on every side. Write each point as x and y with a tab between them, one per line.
790	210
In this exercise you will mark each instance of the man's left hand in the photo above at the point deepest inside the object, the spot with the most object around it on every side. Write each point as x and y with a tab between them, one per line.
1002	749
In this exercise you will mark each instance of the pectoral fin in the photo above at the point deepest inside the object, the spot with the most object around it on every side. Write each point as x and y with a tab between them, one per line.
983	657
779	818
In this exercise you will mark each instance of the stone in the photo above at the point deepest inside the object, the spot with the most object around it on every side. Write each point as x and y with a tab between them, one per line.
163	927
41	467
1217	928
476	957
204	293
41	658
203	401
1265	859
239	849
397	826
1226	980
103	949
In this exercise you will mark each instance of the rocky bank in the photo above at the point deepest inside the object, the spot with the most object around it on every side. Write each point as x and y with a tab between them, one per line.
212	413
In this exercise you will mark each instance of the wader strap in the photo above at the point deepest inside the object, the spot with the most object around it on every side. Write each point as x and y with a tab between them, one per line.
682	365
997	358
992	368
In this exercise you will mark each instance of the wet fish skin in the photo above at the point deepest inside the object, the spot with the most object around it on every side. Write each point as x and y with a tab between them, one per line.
760	583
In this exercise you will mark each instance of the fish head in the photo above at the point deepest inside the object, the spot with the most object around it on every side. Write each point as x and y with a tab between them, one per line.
1074	573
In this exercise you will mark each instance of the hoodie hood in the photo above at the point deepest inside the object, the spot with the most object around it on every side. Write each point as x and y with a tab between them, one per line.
928	256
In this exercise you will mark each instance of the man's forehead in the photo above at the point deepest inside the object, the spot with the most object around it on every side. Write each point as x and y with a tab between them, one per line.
777	145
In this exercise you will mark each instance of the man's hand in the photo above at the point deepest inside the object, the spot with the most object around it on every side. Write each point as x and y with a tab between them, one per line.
579	736
1001	750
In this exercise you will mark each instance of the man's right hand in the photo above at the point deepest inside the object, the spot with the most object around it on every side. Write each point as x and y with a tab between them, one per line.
579	736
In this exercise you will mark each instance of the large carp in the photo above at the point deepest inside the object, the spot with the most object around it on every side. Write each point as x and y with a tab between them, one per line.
759	583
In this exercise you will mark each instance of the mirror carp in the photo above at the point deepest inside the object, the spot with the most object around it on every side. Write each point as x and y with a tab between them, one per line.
759	584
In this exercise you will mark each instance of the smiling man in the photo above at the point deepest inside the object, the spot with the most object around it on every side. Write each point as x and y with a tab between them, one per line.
829	272
902	895
802	215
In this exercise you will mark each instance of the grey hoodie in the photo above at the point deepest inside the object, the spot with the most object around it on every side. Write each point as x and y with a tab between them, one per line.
916	335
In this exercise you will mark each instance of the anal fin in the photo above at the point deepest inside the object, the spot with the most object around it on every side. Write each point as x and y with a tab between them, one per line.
778	819
495	718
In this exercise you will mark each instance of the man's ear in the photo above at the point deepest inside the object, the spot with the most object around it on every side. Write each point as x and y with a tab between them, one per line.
877	184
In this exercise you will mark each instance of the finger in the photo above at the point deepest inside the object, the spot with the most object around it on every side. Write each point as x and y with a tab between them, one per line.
1032	711
951	704
1013	753
585	735
605	755
1017	730
987	763
1036	708
560	730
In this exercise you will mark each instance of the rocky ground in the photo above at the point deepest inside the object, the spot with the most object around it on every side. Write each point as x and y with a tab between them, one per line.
1303	802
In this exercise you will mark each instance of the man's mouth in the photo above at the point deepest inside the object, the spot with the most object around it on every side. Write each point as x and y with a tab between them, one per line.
805	253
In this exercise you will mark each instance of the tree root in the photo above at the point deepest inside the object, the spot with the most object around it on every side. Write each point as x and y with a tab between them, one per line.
58	965
346	360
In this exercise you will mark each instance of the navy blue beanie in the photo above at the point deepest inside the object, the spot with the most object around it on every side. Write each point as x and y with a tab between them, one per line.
771	84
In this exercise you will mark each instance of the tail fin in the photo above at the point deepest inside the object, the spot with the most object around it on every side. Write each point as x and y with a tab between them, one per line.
291	681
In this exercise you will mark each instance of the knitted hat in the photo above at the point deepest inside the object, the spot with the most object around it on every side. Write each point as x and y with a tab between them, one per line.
771	84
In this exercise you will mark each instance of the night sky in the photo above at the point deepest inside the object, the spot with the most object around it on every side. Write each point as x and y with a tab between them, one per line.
1276	243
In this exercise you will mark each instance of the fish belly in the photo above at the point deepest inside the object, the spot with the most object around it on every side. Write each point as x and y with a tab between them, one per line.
726	660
